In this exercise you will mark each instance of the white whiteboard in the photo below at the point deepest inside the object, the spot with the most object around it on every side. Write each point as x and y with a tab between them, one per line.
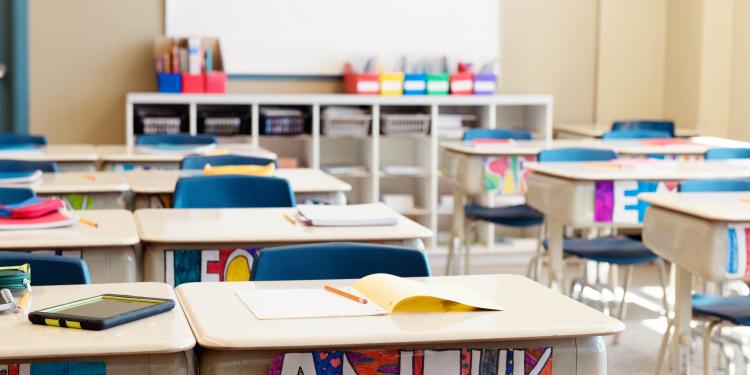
315	37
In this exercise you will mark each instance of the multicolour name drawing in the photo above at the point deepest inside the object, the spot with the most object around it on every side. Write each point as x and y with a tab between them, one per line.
56	368
485	361
738	257
185	266
617	201
506	174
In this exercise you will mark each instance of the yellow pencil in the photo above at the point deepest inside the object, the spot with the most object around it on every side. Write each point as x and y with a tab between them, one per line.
345	294
22	301
88	222
290	218
745	200
90	177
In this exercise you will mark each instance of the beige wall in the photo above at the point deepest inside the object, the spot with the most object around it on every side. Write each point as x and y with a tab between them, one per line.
602	59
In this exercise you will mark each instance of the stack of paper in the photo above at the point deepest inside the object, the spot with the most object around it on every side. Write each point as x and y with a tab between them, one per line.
348	216
36	213
20	177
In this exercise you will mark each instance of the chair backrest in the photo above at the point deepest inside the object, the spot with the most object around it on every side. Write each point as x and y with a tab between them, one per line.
697	186
49	269
7	165
575	154
232	191
200	161
496	134
175	139
727	153
22	139
342	260
10	195
666	126
635	134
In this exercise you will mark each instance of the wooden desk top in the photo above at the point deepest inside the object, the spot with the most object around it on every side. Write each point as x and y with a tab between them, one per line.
164	333
659	170
303	180
125	154
597	130
78	183
60	153
533	312
533	147
256	225
116	228
731	207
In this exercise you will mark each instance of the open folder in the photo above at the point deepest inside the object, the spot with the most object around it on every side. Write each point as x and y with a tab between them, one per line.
384	293
368	214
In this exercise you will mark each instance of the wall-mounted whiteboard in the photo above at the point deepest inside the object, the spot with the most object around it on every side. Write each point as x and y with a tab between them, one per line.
315	37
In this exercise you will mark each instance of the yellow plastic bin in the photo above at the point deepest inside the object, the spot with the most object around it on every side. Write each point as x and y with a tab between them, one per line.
392	83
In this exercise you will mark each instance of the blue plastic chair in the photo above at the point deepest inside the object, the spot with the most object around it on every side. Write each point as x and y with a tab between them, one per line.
22	139
727	153
232	191
472	134
666	126
575	154
342	260
634	134
514	216
7	165
175	139
11	195
200	161
49	269
699	186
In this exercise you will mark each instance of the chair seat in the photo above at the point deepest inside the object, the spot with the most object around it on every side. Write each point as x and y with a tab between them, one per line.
521	215
735	309
618	250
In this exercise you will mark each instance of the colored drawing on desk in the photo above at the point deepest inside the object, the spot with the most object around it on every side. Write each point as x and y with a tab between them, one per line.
465	361
63	368
738	258
506	174
185	266
617	201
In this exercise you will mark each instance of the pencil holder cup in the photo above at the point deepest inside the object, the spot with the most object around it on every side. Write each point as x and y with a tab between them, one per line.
168	82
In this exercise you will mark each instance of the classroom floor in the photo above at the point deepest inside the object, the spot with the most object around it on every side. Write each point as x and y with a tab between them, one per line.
638	347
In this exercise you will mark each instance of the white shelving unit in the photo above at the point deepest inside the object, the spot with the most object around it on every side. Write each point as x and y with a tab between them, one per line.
373	152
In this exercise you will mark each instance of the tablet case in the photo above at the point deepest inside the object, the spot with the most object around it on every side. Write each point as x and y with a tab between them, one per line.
98	324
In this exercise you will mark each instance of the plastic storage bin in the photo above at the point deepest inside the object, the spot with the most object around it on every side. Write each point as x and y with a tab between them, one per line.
215	82
462	83
392	84
438	84
281	121
405	124
415	84
346	126
360	83
485	84
169	82
193	83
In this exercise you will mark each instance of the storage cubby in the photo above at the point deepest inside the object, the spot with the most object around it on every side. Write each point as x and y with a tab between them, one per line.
225	120
365	149
160	119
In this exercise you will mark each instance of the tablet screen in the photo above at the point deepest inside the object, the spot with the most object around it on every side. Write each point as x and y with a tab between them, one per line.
102	307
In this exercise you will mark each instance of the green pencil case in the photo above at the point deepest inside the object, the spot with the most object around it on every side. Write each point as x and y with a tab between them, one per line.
15	277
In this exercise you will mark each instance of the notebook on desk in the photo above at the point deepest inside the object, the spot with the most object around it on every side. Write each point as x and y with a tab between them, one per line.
369	214
36	213
20	177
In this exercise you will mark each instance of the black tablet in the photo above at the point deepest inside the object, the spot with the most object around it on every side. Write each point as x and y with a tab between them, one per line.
101	312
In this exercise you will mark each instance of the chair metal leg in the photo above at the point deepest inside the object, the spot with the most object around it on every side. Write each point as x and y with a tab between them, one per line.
663	280
707	345
467	244
623	302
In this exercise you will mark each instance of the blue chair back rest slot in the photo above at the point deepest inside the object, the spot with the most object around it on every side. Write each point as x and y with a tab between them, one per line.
23	139
666	126
340	260
8	165
49	269
635	134
496	134
698	186
232	191
175	139
573	154
727	153
200	161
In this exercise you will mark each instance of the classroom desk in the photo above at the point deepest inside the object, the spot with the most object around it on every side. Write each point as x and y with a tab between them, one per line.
83	190
160	344
693	230
307	184
584	195
598	130
123	157
108	249
500	169
176	240
73	157
536	317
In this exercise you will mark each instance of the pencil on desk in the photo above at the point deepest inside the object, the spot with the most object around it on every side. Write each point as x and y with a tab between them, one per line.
88	222
345	294
22	301
745	200
91	177
290	218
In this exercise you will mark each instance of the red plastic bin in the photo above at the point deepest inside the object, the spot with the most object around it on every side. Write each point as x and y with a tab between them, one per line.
193	83
215	82
462	83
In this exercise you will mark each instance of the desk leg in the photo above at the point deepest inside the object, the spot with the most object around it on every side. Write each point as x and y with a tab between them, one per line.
555	250
457	230
111	265
682	316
